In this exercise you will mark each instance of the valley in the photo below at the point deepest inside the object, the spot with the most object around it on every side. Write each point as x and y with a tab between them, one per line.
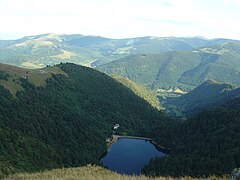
119	90
181	93
72	110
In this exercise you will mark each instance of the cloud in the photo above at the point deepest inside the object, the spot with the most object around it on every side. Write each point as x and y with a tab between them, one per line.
167	4
172	21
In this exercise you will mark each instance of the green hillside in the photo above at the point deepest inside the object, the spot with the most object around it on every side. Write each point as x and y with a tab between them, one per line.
181	69
49	49
154	70
208	144
147	94
219	62
61	116
207	95
232	103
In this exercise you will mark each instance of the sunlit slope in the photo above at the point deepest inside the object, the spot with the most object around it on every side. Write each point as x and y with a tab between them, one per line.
145	93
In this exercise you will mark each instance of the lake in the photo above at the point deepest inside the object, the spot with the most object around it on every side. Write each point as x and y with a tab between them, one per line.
128	156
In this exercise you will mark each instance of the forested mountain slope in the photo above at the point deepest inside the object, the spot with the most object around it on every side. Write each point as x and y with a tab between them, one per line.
208	144
61	116
208	95
181	69
145	93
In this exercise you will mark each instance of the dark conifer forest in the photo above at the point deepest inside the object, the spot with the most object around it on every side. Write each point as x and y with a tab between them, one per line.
65	123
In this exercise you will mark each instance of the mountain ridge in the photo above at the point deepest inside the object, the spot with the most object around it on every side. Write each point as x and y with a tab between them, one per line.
180	69
49	49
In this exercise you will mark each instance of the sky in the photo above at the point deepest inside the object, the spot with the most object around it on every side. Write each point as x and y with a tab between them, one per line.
121	18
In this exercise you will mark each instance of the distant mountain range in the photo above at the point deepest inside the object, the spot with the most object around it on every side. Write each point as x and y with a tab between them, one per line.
49	49
181	69
157	63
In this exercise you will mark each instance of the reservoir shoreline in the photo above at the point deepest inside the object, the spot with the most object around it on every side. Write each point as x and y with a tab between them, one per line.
129	154
159	147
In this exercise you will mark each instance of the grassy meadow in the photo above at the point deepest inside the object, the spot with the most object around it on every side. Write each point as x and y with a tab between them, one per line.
90	173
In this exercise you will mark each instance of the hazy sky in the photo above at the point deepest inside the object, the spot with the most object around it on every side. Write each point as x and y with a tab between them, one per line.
121	18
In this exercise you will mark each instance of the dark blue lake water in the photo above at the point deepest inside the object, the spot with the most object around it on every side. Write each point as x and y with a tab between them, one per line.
128	156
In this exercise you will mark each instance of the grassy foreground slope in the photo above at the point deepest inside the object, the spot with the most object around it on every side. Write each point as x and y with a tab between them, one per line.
64	120
91	173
